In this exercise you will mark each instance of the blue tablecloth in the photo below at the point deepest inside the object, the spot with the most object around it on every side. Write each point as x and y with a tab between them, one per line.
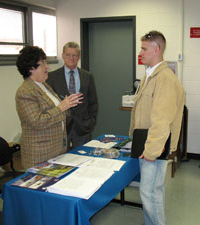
31	207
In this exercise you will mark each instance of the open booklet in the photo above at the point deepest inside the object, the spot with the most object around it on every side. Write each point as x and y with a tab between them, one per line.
50	169
86	180
81	161
82	183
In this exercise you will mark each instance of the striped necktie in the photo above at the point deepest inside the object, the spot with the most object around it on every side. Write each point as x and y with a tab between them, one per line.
72	89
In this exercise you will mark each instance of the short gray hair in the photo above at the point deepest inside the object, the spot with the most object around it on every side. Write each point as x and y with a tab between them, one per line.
155	36
72	44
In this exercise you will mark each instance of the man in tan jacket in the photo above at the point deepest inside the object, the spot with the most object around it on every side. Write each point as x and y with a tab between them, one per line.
159	108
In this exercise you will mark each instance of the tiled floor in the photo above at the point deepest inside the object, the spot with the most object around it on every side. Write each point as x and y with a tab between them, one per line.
182	201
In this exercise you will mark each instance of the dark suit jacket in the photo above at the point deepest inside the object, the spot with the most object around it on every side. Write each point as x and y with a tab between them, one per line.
84	115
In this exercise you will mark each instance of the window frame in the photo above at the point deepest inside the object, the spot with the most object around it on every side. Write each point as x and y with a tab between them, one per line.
27	10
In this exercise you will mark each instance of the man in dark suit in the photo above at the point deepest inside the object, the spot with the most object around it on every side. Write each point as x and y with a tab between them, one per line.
71	79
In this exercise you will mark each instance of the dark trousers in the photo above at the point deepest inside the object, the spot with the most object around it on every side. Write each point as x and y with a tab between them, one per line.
74	140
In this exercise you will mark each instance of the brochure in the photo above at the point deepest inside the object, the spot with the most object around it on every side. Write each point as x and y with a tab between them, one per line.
50	169
36	182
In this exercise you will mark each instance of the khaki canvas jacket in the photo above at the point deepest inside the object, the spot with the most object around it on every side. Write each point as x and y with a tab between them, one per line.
159	108
41	122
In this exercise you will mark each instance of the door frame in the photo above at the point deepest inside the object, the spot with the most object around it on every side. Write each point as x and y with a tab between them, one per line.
84	35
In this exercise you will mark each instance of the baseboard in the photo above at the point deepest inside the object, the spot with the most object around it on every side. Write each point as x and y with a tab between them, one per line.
193	156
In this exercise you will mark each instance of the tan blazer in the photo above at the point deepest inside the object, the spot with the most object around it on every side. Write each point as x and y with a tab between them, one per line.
43	133
159	108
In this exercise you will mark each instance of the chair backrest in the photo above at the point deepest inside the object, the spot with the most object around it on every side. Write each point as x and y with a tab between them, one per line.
5	152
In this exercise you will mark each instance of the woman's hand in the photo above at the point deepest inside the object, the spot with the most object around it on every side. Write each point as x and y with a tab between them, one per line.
70	101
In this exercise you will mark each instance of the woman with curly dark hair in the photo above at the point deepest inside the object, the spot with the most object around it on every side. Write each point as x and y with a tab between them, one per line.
41	112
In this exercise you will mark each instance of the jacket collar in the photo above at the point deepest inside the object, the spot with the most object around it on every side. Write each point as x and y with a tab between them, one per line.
159	68
29	82
144	82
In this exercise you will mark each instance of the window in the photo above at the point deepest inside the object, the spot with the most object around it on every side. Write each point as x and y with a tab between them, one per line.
23	24
13	20
44	32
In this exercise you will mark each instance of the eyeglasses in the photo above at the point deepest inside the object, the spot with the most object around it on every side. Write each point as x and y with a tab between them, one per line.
72	56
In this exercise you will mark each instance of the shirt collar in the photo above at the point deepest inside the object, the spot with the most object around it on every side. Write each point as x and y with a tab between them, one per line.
150	70
67	70
39	83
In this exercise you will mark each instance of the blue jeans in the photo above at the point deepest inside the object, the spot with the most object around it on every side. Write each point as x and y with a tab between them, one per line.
152	191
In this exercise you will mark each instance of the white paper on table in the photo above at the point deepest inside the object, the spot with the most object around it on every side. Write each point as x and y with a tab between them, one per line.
128	145
70	159
82	183
104	163
100	174
109	135
100	144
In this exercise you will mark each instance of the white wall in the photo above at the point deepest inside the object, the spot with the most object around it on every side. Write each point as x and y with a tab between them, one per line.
9	122
165	16
191	73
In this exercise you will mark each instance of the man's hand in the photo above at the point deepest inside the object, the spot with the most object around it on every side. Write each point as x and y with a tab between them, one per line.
142	156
